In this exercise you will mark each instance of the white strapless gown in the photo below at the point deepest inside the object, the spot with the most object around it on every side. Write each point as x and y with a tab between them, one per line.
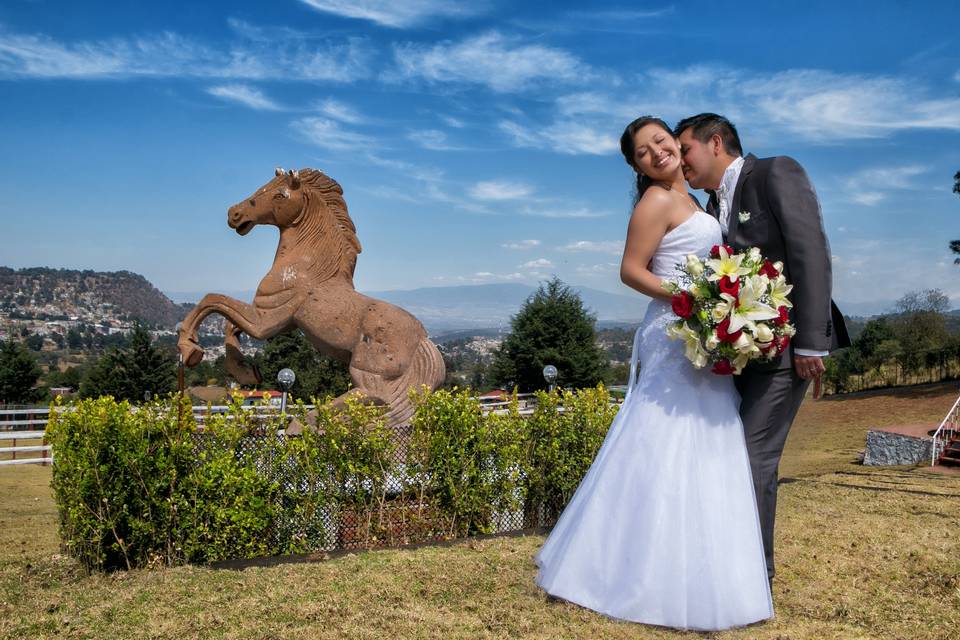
663	528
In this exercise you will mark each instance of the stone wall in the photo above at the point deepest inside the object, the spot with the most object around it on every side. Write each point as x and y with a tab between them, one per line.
888	449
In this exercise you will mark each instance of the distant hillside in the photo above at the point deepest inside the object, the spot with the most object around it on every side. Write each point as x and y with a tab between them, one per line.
45	293
446	310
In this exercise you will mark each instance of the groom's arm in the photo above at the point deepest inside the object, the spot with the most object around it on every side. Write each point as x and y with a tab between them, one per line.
793	201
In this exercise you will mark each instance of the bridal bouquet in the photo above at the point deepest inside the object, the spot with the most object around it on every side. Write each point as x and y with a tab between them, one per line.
733	308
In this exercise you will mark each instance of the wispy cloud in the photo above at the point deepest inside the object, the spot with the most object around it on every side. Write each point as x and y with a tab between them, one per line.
567	137
604	269
501	63
611	247
871	186
169	54
432	139
245	95
521	244
500	190
559	211
397	13
340	111
330	134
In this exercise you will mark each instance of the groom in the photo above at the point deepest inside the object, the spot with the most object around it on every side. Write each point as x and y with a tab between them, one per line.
769	203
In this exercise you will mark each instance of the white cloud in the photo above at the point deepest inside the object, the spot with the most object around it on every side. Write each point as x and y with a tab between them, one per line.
500	190
539	263
330	134
597	269
169	54
547	211
245	95
567	137
396	13
871	186
521	244
503	64
340	111
432	139
611	247
455	123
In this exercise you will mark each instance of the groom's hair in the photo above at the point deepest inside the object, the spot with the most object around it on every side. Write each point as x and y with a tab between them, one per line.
706	125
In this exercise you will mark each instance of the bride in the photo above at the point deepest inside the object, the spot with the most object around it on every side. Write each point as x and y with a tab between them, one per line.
663	528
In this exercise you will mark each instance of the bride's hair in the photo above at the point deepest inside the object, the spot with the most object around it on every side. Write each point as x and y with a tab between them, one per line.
627	149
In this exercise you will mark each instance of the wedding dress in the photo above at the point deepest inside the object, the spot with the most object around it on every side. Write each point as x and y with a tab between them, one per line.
663	529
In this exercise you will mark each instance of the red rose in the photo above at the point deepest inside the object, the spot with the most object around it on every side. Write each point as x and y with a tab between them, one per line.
768	270
715	251
784	317
730	286
782	344
682	304
723	368
723	332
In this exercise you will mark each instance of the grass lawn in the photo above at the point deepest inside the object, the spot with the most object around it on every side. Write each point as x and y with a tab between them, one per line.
862	553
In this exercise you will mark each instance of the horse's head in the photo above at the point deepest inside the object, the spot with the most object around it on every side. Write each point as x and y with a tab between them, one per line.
279	202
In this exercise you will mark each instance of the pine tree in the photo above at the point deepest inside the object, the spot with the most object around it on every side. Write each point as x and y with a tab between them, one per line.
128	373
317	376
552	328
19	373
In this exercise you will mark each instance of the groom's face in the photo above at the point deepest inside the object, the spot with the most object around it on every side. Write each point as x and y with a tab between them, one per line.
699	161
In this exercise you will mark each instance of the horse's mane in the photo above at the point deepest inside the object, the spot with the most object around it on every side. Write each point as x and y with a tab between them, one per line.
345	246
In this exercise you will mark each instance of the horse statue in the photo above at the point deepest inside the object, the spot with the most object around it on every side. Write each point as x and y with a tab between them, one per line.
310	286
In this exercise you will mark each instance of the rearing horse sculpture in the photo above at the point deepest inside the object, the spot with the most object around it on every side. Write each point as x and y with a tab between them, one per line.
310	286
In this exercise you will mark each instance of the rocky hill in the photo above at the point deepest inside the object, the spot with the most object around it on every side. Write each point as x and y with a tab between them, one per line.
60	294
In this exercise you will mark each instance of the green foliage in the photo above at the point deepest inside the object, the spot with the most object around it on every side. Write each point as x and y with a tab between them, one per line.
552	328
469	465
142	486
563	437
317	375
128	373
19	373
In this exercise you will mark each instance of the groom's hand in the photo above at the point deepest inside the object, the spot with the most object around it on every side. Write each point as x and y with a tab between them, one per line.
808	367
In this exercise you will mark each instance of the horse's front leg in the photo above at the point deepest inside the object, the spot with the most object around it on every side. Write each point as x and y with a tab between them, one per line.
240	368
249	319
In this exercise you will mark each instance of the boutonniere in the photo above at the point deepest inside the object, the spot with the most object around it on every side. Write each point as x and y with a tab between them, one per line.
744	216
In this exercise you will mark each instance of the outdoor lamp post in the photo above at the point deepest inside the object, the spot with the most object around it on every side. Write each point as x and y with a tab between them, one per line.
550	375
286	377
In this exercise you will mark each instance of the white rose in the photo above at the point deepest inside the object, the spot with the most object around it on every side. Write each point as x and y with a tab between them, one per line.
694	265
713	341
764	333
755	254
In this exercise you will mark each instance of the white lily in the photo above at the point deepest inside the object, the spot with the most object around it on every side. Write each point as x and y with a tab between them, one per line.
692	347
779	290
740	362
750	308
726	265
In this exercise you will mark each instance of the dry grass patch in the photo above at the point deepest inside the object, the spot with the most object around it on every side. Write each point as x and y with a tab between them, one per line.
862	553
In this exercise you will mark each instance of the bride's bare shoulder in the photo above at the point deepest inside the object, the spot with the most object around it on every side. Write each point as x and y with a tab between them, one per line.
655	203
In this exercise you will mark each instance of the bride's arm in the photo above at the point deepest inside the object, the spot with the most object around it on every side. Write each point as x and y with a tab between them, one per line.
648	224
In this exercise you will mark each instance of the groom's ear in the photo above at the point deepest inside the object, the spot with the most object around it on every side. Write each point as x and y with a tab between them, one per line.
716	144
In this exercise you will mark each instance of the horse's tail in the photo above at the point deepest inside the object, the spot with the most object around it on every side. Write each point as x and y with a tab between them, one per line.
426	368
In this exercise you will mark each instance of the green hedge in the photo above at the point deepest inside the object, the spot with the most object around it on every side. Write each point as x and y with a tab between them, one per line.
142	486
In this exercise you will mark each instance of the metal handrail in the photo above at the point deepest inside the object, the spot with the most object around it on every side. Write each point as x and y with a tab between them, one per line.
940	437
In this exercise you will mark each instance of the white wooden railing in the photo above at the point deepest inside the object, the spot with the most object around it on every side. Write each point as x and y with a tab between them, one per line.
945	432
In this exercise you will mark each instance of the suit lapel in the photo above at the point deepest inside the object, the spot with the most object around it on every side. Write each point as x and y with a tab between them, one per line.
712	203
734	221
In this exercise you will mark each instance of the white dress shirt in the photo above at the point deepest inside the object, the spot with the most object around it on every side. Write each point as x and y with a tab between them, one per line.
728	185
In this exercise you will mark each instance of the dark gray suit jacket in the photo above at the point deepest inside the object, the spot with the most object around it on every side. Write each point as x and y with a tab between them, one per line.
785	223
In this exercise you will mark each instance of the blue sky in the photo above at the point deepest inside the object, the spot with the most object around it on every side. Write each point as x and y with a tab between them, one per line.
475	142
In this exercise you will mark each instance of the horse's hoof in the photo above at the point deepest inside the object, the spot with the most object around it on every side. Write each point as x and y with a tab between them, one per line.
191	351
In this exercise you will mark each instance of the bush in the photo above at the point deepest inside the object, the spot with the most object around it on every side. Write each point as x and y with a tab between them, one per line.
466	464
563	437
143	486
